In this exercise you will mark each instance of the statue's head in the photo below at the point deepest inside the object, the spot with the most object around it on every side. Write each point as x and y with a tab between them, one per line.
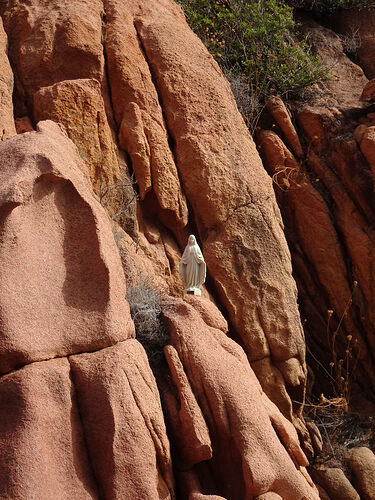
192	240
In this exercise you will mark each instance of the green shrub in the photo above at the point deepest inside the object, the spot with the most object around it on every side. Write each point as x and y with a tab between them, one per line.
255	39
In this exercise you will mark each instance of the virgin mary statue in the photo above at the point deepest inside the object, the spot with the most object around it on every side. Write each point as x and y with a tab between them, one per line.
192	267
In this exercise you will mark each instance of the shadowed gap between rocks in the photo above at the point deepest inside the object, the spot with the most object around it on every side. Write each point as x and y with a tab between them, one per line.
75	400
171	140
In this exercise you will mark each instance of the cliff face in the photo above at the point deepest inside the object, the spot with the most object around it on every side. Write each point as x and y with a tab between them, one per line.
325	191
81	413
135	93
112	98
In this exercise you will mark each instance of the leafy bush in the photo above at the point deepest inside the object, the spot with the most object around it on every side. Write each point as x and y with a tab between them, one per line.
255	39
330	5
145	309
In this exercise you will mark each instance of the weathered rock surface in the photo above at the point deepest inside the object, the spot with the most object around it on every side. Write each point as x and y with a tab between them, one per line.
79	106
327	207
248	457
335	483
48	45
87	425
362	464
143	132
215	155
42	446
70	296
7	128
197	170
179	126
123	422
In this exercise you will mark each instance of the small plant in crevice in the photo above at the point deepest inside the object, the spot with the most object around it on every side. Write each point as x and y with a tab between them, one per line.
342	366
289	178
145	309
340	432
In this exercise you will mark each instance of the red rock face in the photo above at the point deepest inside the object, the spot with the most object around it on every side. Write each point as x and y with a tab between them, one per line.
136	91
326	201
7	128
135	73
43	454
90	424
70	296
85	425
207	369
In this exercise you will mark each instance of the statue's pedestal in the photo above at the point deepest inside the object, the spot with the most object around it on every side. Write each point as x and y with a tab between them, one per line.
193	291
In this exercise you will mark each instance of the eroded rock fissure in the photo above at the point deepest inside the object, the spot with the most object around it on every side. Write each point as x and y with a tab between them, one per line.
84	435
170	137
106	72
42	360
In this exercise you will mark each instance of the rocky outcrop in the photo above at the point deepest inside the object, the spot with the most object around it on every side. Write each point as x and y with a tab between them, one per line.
79	106
228	432
362	464
215	155
42	448
70	296
326	202
139	112
137	71
335	483
123	422
90	424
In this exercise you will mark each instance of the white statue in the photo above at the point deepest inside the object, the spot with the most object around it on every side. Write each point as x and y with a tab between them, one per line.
192	267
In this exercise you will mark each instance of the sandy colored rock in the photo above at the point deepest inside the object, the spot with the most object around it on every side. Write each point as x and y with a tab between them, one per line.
156	260
123	422
48	45
215	155
143	133
42	447
7	128
79	106
280	114
248	457
335	483
70	297
189	427
362	464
